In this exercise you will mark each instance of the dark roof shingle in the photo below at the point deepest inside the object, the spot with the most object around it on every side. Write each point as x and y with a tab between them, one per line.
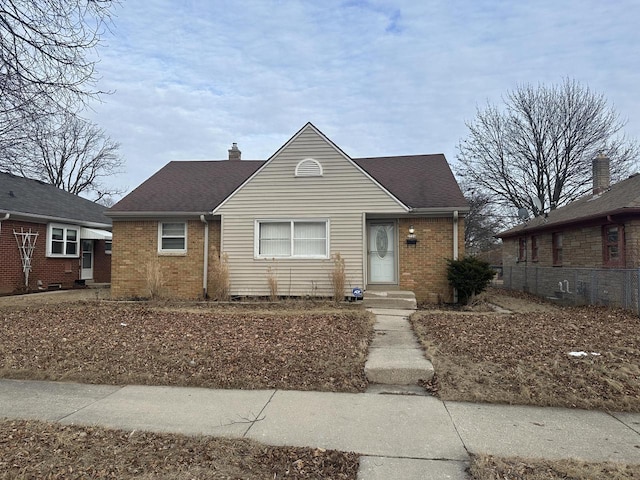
622	197
418	181
21	195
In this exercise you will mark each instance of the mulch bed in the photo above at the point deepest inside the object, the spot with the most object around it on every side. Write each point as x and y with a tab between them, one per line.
216	348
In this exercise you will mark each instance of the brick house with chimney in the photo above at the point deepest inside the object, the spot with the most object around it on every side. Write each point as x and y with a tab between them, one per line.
599	230
394	221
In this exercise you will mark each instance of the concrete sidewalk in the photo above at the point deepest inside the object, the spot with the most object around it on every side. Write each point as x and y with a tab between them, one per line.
422	437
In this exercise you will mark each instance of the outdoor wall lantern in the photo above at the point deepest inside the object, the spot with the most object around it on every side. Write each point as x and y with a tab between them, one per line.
411	238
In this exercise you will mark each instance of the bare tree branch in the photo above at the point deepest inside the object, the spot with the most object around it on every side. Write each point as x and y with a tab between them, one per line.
541	144
74	155
47	64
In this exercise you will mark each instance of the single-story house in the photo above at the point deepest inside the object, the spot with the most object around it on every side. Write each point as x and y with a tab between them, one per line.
394	221
50	238
599	230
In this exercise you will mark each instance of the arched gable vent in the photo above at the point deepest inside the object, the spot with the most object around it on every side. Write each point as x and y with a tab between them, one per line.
308	168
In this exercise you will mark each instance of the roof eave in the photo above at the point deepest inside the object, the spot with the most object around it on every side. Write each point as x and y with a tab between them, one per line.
49	218
153	214
516	232
438	210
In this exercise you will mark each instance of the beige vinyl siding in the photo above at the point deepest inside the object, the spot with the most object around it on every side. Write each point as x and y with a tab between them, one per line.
341	195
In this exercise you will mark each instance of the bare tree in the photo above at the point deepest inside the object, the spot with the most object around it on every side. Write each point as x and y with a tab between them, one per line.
481	223
46	62
74	155
540	146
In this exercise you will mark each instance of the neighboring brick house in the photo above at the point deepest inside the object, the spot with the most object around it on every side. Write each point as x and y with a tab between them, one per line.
394	220
70	237
599	230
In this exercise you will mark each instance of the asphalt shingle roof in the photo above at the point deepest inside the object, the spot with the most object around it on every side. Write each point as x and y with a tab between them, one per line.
419	181
19	195
621	198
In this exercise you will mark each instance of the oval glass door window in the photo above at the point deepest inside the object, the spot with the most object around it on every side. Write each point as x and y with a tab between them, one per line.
382	242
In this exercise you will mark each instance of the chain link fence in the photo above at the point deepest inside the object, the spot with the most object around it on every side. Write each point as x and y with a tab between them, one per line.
578	286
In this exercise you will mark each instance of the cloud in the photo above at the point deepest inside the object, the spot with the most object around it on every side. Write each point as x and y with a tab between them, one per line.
378	77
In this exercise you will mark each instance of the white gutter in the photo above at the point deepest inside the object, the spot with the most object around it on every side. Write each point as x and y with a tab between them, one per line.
205	272
48	218
455	248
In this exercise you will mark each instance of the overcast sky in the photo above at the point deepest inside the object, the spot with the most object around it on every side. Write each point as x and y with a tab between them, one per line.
377	77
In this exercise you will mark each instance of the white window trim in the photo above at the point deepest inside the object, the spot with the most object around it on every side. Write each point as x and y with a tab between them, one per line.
171	251
309	160
256	238
65	228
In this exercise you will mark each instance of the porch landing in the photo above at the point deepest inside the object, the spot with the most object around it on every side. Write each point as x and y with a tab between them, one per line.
376	297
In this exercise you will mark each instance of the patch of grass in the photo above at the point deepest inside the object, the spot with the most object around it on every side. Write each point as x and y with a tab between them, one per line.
202	347
485	467
30	449
523	358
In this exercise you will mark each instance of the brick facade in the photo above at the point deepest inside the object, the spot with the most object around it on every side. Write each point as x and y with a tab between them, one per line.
582	247
44	272
423	266
135	251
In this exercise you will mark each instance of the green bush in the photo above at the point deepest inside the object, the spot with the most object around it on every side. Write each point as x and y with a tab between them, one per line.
469	276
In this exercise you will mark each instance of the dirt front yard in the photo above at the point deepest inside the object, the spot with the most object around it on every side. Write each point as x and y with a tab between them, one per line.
201	346
540	354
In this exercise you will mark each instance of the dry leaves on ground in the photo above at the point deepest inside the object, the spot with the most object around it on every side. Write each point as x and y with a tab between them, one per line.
30	449
215	348
524	358
484	467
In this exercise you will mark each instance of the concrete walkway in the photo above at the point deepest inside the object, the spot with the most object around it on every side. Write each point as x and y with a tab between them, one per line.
400	436
395	356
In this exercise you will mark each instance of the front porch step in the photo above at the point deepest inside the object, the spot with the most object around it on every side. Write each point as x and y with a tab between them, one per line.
390	299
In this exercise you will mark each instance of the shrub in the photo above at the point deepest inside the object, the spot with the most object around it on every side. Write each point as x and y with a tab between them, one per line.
155	279
272	280
469	276
219	277
338	278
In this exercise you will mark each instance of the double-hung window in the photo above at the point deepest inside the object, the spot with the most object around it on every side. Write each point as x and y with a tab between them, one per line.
613	245
62	240
172	237
556	248
522	249
291	239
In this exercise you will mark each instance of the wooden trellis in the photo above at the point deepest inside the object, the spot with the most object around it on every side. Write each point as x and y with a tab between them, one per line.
26	245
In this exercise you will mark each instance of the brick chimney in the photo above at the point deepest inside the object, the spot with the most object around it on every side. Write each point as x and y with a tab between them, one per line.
601	174
234	152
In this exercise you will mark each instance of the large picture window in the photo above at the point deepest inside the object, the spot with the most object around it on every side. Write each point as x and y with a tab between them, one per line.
62	240
172	237
291	239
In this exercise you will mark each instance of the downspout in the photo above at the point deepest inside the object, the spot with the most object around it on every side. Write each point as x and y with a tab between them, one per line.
205	273
6	217
455	248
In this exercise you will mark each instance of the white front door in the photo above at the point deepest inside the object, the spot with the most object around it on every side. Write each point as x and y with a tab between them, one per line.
86	259
382	257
